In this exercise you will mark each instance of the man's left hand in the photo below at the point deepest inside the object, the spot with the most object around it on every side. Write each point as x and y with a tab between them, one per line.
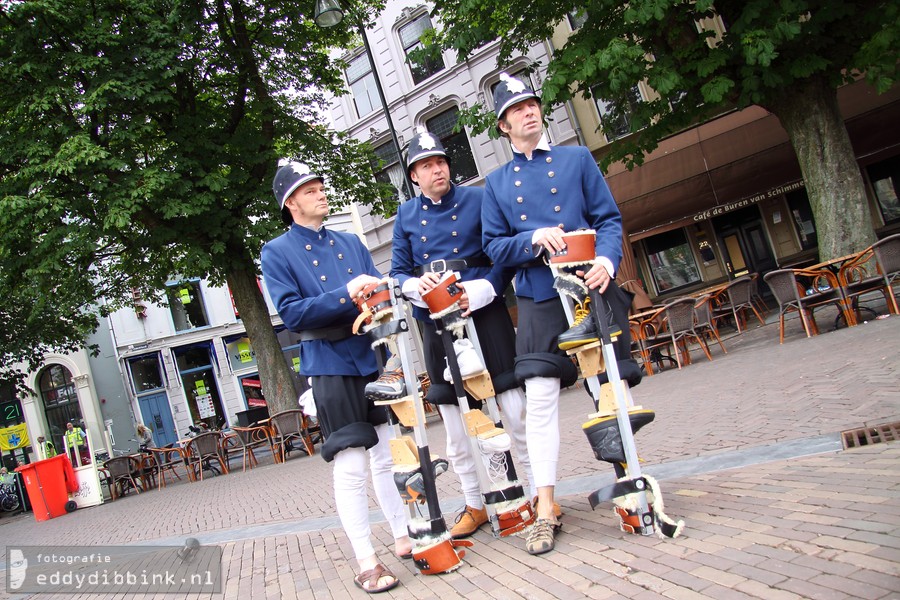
597	277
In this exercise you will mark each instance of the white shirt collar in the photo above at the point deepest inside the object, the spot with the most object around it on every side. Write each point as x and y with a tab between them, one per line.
543	144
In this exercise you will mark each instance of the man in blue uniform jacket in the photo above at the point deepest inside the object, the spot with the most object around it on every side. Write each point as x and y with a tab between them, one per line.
529	203
439	231
312	274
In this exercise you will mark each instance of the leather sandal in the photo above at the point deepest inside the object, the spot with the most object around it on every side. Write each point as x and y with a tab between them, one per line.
367	581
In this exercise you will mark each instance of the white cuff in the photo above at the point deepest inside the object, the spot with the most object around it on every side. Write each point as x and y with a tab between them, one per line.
410	289
607	264
481	293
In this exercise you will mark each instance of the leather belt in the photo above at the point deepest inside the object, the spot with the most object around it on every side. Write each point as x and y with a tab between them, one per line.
452	264
330	334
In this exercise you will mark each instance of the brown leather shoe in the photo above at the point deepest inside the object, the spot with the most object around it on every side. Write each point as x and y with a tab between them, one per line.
468	522
557	509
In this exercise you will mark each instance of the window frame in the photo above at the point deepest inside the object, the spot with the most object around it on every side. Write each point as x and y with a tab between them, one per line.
464	167
371	90
604	108
419	72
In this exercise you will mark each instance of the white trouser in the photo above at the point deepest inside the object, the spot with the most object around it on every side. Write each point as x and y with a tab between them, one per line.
350	474
542	428
512	404
459	453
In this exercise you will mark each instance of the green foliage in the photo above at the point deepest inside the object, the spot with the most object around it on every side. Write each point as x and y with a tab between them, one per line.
139	138
765	48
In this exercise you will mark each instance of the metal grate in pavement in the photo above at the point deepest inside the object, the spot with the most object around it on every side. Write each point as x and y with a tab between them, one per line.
866	436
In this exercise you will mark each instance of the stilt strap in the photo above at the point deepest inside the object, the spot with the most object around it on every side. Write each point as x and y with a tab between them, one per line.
513	492
623	494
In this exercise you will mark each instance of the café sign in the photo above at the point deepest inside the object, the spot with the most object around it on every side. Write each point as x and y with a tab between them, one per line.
745	202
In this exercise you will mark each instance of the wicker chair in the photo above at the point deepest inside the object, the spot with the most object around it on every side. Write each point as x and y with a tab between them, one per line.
680	319
862	275
289	425
735	300
703	320
167	459
887	255
245	440
122	470
201	451
791	295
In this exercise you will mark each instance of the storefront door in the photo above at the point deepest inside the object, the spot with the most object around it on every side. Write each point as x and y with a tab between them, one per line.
157	416
744	244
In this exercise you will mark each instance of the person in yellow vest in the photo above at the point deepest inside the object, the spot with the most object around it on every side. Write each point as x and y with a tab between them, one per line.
76	439
48	450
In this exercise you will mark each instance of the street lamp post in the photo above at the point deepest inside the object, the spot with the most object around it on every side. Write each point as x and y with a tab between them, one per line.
328	14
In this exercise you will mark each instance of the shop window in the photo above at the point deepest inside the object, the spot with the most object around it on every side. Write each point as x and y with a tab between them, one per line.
802	216
885	178
186	305
240	351
290	347
199	383
362	84
146	375
615	120
456	144
60	401
672	263
422	64
389	170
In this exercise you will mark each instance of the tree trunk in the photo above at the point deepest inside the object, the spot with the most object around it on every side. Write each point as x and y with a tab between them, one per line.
810	114
278	383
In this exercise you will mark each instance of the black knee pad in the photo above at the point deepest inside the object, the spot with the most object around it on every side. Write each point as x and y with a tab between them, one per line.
628	371
354	435
546	364
604	437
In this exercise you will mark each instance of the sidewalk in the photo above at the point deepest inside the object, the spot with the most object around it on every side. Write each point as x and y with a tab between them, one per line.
747	449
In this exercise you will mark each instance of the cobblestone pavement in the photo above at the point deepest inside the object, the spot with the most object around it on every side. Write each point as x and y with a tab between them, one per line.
746	447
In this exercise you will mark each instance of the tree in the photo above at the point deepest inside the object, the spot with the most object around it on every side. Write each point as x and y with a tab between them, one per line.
787	56
138	141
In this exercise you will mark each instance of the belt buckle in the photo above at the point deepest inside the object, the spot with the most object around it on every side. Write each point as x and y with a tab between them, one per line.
435	264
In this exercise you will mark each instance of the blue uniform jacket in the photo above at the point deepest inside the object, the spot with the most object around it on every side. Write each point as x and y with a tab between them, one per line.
425	231
560	187
306	273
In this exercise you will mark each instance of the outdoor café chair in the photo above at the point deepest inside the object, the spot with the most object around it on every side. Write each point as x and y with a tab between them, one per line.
680	319
859	276
167	460
201	450
703	320
121	470
887	255
287	426
735	300
792	295
245	440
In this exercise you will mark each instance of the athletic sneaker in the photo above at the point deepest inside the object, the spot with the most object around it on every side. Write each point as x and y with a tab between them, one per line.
390	385
584	329
467	358
411	485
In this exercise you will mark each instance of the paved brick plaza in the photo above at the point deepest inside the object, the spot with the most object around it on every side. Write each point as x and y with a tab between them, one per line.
746	448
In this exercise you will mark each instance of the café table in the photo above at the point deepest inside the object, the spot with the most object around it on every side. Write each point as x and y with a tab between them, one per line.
848	311
645	326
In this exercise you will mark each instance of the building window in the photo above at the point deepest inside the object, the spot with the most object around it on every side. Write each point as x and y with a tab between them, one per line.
671	261
146	375
462	161
616	123
421	65
60	401
885	178
186	305
577	18
389	170
362	85
199	382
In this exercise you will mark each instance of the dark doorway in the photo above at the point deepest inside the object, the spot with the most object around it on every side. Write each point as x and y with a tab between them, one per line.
745	247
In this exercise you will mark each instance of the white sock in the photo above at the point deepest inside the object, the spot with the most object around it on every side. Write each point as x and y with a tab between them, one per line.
389	500
351	470
512	403
542	428
459	453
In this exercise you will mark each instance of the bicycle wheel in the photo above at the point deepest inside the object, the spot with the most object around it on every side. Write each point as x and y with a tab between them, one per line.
9	502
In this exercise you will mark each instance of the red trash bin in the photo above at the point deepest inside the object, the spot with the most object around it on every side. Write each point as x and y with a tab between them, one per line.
48	483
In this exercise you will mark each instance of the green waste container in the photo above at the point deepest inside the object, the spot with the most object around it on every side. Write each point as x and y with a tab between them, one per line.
48	483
